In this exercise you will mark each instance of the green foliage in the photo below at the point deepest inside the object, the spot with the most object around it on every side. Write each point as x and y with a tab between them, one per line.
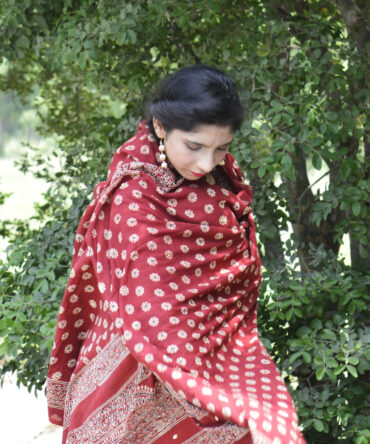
301	69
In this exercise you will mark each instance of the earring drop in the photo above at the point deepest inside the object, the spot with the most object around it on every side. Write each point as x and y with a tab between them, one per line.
222	163
162	155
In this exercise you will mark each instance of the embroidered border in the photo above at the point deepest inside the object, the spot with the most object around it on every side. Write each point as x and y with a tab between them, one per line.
141	413
94	374
56	393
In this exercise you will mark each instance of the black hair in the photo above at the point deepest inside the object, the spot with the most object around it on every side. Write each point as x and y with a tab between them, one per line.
193	96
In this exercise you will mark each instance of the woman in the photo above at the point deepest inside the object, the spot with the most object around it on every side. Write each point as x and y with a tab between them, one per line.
157	334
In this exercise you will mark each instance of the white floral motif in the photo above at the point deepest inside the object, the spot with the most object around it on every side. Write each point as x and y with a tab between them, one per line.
138	194
101	287
167	239
146	306
192	197
189	213
185	264
166	306
181	361
144	150
136	325
124	291
152	261
129	309
73	298
208	208
118	199
133	238
117	218
152	245
112	253
155	277
107	234
162	335
56	376
68	348
185	279
131	222
204	226
200	257
119	322
139	290
171	210
153	321
173	348
187	233
113	306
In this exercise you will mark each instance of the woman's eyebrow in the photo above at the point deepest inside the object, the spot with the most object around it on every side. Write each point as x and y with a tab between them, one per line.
201	145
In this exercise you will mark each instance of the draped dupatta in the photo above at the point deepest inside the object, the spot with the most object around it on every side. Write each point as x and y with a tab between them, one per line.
165	275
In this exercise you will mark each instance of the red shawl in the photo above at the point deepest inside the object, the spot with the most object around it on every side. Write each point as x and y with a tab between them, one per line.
165	278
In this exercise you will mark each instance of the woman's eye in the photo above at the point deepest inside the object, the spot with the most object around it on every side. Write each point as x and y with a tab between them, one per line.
193	148
224	148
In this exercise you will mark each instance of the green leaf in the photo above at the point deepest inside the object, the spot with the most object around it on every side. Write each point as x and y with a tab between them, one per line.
263	50
317	161
331	115
295	356
352	370
261	171
286	162
345	169
307	357
356	208
363	252
331	362
319	425
353	360
320	372
339	370
82	60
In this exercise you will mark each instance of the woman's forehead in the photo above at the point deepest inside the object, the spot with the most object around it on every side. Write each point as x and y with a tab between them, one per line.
208	135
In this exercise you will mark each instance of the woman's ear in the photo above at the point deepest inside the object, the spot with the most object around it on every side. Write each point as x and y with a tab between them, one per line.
158	128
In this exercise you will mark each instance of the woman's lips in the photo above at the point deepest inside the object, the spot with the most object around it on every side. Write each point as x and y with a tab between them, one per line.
197	174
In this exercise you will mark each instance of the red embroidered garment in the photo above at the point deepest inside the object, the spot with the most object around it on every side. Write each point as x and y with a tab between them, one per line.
157	337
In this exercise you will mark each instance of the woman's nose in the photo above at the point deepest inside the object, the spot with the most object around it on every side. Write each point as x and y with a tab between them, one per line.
206	163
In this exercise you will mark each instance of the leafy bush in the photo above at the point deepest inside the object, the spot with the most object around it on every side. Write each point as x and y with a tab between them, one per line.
301	70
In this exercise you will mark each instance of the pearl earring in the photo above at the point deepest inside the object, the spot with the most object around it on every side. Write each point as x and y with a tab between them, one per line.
162	155
222	163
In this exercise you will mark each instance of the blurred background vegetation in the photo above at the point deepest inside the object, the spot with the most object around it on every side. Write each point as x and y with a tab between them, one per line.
85	69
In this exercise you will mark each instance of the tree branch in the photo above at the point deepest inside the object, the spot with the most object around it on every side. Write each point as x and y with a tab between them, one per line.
355	22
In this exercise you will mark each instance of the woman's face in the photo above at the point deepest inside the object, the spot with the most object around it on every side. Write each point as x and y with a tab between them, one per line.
195	153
